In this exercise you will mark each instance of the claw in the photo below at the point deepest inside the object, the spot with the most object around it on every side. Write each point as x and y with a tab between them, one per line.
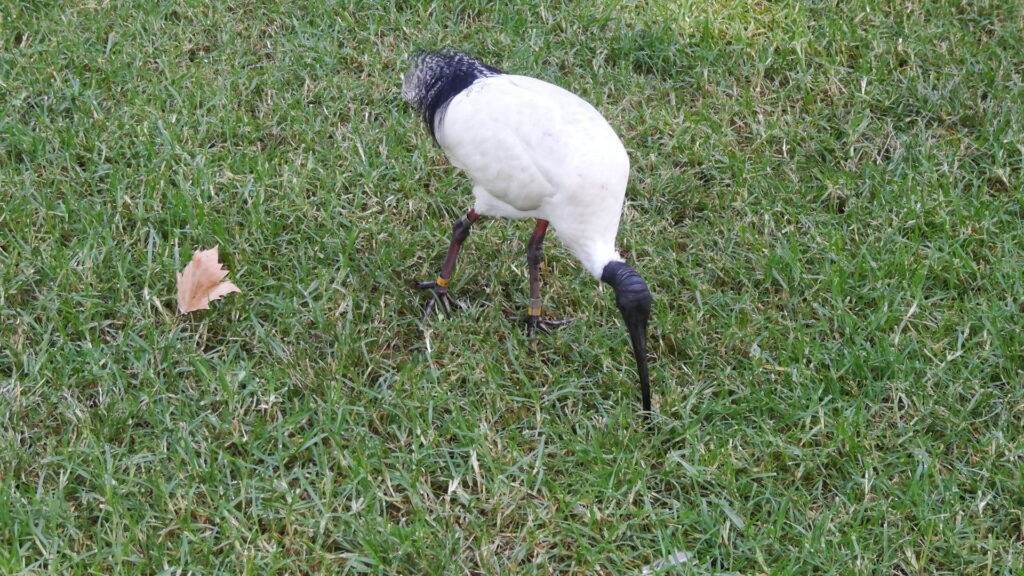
535	323
441	298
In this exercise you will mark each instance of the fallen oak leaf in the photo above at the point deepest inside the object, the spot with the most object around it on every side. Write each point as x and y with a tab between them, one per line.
200	282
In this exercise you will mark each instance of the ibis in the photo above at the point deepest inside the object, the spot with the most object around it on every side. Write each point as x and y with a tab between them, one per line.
532	151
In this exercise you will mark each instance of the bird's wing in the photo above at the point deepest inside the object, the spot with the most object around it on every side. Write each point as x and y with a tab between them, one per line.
521	140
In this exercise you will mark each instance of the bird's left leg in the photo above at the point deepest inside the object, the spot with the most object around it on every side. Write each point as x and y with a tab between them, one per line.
534	255
460	230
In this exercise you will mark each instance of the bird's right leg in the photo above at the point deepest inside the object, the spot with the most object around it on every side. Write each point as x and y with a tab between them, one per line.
534	256
460	230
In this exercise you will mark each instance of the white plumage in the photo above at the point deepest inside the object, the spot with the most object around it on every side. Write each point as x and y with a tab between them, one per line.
532	150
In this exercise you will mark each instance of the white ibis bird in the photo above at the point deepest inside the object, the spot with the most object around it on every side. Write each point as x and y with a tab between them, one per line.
532	150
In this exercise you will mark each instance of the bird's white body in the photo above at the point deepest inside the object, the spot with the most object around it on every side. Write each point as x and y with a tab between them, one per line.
534	150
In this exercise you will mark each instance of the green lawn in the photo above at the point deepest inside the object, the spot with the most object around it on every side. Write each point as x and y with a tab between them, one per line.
826	201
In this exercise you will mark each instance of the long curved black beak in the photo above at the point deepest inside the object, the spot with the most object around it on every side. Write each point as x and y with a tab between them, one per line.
638	337
634	301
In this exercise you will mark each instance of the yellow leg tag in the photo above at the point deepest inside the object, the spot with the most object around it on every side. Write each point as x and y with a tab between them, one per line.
441	282
533	307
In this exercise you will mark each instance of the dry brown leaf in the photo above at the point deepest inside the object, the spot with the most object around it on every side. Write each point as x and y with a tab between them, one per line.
200	282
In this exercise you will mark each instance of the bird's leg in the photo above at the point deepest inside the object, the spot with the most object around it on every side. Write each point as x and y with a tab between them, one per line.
460	230
534	255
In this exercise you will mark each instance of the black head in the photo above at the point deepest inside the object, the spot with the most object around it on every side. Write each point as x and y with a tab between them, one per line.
634	302
434	78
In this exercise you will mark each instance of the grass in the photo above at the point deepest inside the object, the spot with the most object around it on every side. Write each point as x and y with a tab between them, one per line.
826	201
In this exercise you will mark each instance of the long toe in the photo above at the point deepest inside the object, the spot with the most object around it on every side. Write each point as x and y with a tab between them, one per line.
536	323
549	325
442	301
448	304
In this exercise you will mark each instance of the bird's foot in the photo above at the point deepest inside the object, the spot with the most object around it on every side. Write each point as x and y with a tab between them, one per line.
442	299
535	323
